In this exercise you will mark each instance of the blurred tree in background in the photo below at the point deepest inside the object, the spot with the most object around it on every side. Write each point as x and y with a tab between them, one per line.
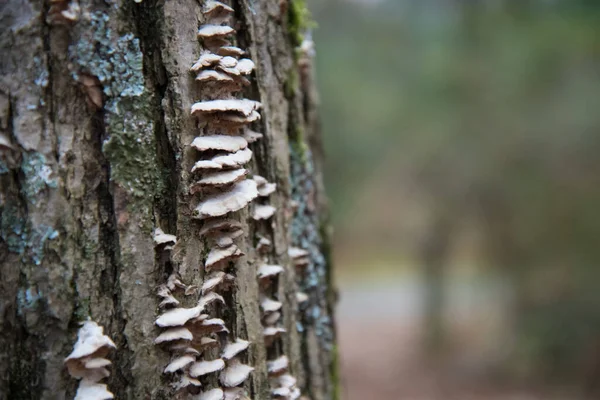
442	114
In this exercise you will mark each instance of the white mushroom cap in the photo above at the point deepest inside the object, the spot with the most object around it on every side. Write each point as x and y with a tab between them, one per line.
213	394
214	325
210	31
287	380
217	255
267	189
186	381
270	305
169	301
242	106
209	75
272	318
234	393
235	374
212	281
206	367
295	394
262	212
218	225
89	390
252	136
178	316
90	339
296	252
260	181
173	282
233	160
266	271
301	297
93	363
172	334
208	342
263	245
228	62
237	119
281	392
230	51
162	238
219	142
212	6
206	60
245	66
277	366
209	298
233	349
221	178
271	332
179	363
235	199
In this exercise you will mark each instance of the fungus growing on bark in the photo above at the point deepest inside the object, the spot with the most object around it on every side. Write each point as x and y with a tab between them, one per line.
264	245
215	280
270	305
206	367
210	75
218	255
214	31
267	271
272	318
161	238
89	390
235	373
178	316
179	363
262	212
244	107
219	142
301	297
210	298
172	334
235	199
233	349
213	394
87	362
219	225
186	381
252	136
221	178
277	366
230	51
233	160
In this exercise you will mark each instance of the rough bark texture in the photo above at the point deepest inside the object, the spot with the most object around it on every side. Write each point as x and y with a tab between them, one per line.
83	187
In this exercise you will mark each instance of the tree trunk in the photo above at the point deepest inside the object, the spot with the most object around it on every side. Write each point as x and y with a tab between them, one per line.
95	101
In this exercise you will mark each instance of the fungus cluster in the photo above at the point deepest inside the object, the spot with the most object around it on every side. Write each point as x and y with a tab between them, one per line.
87	362
200	344
283	385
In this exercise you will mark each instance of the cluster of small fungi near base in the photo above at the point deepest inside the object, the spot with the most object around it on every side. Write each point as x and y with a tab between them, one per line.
87	362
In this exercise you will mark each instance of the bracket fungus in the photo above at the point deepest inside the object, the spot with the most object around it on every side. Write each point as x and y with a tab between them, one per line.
235	199
206	367
87	362
278	366
233	349
235	374
213	394
262	212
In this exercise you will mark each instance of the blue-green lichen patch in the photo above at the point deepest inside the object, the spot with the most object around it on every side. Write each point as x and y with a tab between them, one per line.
130	144
20	238
38	175
306	234
28	299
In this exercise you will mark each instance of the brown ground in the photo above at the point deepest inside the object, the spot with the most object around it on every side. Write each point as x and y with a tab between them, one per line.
380	359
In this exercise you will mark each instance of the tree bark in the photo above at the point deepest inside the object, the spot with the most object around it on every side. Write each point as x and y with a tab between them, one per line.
95	155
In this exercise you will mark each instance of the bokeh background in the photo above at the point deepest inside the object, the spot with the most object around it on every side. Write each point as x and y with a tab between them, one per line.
463	168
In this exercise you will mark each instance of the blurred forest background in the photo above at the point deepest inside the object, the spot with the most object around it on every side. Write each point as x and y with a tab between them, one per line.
463	145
